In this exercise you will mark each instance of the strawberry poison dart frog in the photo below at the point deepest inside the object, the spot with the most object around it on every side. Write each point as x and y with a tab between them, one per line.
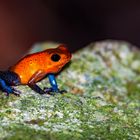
33	68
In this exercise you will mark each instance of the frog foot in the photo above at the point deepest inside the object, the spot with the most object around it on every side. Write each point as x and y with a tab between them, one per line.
51	90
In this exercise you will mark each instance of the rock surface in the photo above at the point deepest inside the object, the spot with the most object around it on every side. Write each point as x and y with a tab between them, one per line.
103	99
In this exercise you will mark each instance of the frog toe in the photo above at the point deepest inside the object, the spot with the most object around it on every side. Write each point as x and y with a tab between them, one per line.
51	90
16	92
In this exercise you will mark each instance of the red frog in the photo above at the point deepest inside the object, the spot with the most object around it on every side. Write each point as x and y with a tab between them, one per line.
33	68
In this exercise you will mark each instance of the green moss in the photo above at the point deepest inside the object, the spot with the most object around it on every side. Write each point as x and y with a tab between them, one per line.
102	102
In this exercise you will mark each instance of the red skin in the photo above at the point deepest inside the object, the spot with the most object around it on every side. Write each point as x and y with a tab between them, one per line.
32	65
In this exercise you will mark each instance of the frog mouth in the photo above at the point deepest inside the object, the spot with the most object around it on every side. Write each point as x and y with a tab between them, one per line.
63	63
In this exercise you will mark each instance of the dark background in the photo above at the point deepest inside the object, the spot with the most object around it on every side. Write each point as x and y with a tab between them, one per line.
74	22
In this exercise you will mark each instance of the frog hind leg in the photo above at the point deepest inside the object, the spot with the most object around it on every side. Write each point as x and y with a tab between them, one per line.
10	78
7	79
8	89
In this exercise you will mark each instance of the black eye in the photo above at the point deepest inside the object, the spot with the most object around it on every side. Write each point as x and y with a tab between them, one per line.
55	57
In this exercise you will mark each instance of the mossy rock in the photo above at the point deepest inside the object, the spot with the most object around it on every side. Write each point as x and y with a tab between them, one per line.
103	99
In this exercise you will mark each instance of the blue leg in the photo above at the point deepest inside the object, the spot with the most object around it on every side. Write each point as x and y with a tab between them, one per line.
53	82
7	88
10	78
54	86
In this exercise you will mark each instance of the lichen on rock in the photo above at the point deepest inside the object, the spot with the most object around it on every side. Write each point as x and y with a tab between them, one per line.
103	84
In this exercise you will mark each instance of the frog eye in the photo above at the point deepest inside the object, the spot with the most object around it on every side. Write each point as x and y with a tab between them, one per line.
55	57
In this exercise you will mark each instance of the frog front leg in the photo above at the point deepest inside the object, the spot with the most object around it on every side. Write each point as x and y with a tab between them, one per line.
32	82
38	76
54	86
